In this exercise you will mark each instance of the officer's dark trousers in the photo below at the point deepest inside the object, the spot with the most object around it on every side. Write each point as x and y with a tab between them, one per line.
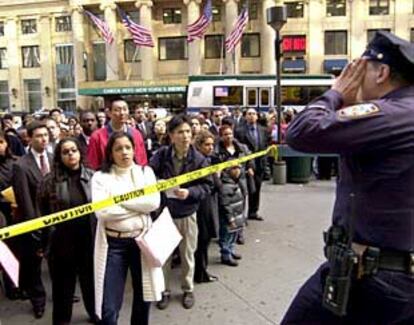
254	198
67	261
30	277
384	299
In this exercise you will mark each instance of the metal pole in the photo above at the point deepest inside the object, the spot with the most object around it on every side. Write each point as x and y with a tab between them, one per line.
278	89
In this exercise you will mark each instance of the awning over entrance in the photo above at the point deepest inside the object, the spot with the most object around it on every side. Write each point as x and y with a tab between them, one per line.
298	66
334	66
124	87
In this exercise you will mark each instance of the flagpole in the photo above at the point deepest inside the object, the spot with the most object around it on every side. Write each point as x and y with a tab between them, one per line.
221	55
234	60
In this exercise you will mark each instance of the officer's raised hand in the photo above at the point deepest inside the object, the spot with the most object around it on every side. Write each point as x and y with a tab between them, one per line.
349	81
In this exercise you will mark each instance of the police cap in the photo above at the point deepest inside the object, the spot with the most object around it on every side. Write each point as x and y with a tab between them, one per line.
391	50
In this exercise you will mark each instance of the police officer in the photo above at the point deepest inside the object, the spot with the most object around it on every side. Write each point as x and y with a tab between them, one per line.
367	117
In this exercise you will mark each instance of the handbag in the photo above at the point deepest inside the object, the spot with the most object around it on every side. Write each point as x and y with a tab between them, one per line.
158	243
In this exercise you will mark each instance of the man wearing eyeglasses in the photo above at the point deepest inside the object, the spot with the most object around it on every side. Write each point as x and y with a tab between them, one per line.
119	113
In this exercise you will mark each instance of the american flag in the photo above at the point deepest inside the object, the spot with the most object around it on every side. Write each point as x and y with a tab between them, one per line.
236	34
102	26
199	27
141	36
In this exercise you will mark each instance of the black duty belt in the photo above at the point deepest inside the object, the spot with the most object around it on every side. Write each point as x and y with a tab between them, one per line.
396	261
372	259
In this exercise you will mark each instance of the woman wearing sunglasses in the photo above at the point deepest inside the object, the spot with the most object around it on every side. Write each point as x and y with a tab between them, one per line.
70	253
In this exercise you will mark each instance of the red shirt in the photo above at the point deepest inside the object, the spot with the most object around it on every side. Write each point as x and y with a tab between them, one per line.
98	141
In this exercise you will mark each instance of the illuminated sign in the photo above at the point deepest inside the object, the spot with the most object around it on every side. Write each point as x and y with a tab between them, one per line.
295	43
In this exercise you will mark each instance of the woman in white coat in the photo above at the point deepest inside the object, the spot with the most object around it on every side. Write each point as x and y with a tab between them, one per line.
118	226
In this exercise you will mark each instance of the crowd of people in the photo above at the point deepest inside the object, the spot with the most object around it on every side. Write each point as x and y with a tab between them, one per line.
54	163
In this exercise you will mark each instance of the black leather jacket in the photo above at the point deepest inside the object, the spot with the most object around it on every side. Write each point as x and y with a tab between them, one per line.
53	196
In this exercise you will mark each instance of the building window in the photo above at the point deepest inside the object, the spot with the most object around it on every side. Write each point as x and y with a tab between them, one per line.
63	24
33	94
29	26
31	58
294	9
250	46
336	42
216	13
99	61
252	9
371	33
174	48
1	28
412	35
171	16
131	51
65	75
213	46
4	95
379	7
335	8
134	16
3	58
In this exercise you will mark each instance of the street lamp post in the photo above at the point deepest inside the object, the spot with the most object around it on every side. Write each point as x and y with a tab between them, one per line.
276	18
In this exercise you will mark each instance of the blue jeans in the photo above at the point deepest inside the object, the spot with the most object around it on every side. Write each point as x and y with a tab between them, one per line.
123	253
227	240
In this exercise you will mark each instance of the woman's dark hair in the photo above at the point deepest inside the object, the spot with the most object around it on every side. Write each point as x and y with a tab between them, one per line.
58	165
108	161
224	128
178	120
227	121
8	153
202	137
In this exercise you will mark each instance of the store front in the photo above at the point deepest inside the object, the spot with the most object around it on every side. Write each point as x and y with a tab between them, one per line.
168	94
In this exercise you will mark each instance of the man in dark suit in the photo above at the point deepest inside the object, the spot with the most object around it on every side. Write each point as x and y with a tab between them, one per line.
28	172
143	126
238	117
256	138
89	124
216	122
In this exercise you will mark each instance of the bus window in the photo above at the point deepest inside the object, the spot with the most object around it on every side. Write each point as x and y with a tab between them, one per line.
197	91
228	95
252	97
264	97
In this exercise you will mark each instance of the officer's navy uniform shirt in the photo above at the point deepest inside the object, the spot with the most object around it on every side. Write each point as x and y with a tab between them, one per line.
376	151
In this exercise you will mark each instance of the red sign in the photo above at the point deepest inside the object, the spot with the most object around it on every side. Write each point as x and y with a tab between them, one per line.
294	43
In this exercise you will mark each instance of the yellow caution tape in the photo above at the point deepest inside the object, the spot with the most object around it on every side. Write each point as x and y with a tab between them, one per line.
82	210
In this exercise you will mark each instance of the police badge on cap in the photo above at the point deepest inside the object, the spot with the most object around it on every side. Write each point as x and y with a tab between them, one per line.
392	50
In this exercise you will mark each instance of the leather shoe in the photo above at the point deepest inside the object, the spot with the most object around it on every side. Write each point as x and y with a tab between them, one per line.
206	278
188	300
236	256
257	218
212	278
229	262
38	312
93	320
164	302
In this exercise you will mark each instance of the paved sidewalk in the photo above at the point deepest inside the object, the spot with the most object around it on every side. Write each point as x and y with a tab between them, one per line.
280	253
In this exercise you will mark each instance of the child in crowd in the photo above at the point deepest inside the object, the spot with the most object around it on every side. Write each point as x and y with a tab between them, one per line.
232	209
